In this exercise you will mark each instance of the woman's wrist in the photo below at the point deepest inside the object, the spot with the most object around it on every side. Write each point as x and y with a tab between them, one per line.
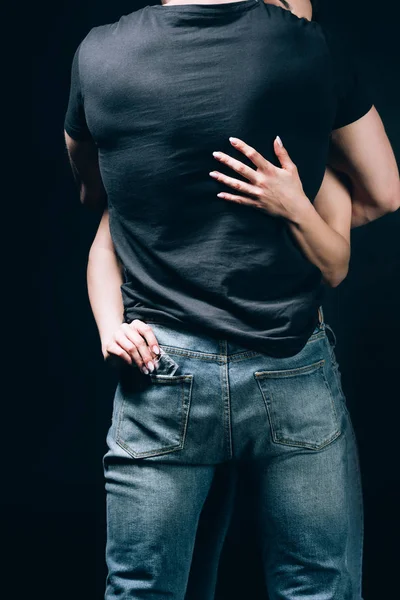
108	329
299	210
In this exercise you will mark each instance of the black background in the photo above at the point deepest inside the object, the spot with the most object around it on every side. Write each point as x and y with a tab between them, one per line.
54	498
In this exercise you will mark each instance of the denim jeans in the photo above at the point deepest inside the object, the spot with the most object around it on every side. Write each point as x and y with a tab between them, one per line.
181	437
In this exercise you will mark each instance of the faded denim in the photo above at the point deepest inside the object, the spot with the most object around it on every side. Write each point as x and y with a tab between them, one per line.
212	412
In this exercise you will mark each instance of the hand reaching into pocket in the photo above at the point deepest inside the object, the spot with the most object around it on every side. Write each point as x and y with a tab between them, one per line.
135	344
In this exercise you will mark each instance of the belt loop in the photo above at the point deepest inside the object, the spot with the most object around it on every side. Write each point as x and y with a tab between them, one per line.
329	328
321	317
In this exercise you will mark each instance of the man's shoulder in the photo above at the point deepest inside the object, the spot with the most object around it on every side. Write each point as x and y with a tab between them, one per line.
101	34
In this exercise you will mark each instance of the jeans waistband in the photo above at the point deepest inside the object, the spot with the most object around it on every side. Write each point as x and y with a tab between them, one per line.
177	336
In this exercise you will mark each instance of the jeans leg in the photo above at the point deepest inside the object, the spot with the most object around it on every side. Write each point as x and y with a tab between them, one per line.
152	515
167	446
354	486
356	515
305	524
213	526
306	481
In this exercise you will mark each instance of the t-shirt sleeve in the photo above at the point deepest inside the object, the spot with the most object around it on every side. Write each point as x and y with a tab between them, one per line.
353	93
75	120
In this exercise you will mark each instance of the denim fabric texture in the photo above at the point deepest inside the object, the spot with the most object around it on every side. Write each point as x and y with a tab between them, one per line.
212	412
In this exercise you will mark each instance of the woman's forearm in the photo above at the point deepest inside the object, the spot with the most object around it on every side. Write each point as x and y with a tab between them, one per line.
322	245
133	343
104	278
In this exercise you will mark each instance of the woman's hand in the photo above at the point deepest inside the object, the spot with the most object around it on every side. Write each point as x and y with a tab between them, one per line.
135	343
277	191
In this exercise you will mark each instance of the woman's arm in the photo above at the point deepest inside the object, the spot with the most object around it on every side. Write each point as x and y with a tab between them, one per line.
132	342
322	231
104	278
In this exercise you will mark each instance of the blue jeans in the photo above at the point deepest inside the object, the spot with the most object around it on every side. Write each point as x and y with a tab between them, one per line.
182	436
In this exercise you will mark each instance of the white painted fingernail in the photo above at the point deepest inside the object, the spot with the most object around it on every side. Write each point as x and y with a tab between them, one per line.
156	350
278	139
150	366
145	371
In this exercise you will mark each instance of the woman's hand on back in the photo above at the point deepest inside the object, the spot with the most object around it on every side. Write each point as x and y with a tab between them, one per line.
277	191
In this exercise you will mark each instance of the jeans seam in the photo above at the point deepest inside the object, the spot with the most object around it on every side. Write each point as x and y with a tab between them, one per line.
224	379
289	372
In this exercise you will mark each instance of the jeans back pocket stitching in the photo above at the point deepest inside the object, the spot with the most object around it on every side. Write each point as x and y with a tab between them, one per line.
284	373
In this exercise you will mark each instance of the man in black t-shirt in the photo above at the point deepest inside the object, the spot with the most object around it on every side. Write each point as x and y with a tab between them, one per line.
153	113
155	130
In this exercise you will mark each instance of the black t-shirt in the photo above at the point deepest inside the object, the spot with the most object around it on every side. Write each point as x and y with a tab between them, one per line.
159	91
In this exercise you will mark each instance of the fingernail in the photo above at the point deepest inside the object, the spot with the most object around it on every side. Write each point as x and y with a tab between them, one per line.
217	154
278	139
156	350
213	174
145	371
150	365
233	140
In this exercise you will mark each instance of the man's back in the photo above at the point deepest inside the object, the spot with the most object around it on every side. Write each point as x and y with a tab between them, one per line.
162	89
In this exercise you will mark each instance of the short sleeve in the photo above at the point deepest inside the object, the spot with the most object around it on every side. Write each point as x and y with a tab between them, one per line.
353	94
75	120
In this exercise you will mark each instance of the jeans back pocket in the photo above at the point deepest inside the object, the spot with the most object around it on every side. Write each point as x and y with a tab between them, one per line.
153	411
300	406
